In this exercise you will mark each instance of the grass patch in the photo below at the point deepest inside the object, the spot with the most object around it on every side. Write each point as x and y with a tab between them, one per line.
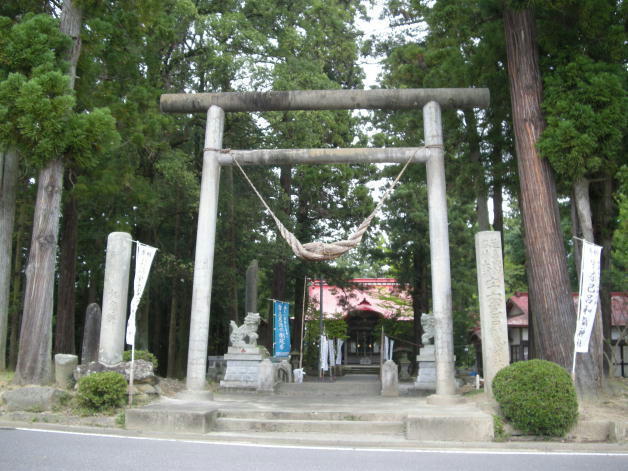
121	419
499	430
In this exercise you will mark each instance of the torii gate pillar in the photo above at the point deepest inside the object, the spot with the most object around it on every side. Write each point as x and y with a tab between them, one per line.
433	155
196	379
439	255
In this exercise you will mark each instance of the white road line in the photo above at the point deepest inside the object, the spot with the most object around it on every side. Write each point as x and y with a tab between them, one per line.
379	450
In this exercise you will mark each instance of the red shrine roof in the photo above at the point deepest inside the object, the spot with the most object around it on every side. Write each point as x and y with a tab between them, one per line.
517	308
383	296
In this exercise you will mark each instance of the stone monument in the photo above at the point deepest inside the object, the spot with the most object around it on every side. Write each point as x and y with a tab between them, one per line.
390	379
426	358
244	355
115	298
91	334
495	348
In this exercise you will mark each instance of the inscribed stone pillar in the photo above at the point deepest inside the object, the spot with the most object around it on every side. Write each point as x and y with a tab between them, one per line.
115	298
204	256
250	297
439	252
495	351
91	334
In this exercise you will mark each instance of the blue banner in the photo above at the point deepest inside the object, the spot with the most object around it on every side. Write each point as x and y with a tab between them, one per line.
281	331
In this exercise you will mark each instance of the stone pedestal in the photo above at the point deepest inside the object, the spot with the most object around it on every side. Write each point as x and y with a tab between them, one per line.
427	369
243	367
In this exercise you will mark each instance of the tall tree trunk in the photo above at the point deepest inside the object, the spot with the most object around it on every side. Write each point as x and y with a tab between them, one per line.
233	248
172	325
8	183
473	139
34	362
592	361
64	331
552	310
16	295
280	268
604	225
497	192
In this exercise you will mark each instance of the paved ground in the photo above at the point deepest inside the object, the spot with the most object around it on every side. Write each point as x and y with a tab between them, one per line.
36	450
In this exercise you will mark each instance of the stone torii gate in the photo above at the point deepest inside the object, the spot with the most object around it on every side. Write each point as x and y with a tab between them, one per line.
432	154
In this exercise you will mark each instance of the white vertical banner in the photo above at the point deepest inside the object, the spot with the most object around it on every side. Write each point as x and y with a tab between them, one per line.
332	352
386	348
391	346
324	365
339	351
143	259
588	295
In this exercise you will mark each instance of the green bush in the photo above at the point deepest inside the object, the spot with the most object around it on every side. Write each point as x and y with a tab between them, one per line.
101	392
537	396
141	355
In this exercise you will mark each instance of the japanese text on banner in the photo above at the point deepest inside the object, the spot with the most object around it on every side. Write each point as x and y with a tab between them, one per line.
588	296
281	341
143	259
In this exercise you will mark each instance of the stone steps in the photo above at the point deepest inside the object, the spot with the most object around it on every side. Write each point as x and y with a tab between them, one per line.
305	426
355	385
286	421
361	369
333	415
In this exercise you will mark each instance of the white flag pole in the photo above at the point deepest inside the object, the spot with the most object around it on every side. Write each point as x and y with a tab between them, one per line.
143	259
587	297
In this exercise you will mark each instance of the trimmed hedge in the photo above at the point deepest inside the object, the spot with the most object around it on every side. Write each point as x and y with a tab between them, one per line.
141	355
101	392
537	396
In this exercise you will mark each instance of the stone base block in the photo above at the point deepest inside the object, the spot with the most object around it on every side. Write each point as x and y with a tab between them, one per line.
175	420
618	432
33	398
475	427
590	431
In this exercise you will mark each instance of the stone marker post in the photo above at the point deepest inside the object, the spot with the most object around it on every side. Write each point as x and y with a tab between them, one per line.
65	365
495	351
250	296
390	379
91	334
115	298
204	256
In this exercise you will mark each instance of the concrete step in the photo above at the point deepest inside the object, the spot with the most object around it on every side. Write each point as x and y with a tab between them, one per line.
354	440
361	369
352	416
328	388
307	426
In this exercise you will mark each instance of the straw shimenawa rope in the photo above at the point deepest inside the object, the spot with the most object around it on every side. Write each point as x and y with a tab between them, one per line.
317	251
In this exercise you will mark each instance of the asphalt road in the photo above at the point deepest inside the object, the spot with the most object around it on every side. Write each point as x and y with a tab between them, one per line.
36	450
